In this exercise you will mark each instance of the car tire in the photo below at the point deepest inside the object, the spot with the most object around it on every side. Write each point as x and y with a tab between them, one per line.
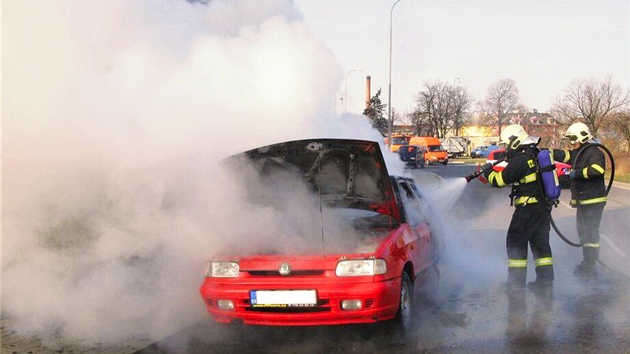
445	162
403	320
431	281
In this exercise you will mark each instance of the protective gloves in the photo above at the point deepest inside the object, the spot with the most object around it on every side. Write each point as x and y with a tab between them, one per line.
486	168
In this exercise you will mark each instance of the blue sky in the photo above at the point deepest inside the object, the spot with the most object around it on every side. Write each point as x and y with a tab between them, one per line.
541	45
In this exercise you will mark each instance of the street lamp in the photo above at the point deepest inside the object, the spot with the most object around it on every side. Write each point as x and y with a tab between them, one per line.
345	90
389	99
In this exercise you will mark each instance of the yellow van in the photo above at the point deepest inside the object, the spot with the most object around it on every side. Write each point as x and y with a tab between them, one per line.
434	151
398	140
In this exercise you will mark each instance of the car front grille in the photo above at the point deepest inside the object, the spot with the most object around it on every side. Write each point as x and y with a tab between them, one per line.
275	273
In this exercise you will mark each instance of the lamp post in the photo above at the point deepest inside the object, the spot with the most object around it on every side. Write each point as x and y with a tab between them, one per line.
389	98
345	90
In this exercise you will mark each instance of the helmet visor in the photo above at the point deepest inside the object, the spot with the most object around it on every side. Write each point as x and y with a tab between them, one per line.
572	138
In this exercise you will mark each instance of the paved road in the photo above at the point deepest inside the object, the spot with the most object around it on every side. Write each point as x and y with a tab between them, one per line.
470	311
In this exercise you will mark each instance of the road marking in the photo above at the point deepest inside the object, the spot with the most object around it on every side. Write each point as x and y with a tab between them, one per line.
614	247
621	186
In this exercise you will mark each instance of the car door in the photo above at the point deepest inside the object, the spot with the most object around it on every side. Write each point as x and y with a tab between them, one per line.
414	212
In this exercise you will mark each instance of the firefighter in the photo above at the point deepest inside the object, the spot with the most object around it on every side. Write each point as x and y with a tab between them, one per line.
531	219
588	191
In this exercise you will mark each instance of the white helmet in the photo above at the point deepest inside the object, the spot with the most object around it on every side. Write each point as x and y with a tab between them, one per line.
578	132
514	136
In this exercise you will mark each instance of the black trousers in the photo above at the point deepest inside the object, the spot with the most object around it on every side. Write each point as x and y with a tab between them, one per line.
588	219
530	225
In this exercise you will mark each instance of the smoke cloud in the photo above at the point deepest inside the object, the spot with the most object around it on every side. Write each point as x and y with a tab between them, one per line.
115	116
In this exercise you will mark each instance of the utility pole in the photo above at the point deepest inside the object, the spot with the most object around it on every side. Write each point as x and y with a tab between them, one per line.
389	98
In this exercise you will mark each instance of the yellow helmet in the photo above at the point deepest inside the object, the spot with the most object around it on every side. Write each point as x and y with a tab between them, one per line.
514	136
578	132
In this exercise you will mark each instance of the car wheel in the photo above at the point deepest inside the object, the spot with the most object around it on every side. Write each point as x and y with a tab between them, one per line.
431	281
403	318
445	162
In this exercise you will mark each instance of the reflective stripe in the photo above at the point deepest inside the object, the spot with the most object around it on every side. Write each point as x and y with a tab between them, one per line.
592	244
496	178
589	201
517	263
598	168
529	178
585	172
531	163
525	200
546	261
567	156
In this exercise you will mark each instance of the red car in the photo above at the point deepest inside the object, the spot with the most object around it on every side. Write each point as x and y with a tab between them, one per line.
562	169
375	247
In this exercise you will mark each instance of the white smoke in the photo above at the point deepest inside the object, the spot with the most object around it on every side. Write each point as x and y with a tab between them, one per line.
115	115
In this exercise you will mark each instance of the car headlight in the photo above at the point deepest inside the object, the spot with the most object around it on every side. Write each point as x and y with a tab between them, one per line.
361	267
222	270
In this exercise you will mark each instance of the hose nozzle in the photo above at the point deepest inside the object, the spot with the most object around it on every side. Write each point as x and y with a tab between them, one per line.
473	175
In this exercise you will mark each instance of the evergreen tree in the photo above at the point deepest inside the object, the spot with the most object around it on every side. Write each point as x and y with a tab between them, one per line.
375	112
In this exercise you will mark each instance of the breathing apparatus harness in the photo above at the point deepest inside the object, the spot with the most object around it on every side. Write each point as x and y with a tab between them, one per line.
547	180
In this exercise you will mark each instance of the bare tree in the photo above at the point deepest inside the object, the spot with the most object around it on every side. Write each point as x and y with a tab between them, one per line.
501	99
619	127
461	113
395	116
441	108
420	123
590	101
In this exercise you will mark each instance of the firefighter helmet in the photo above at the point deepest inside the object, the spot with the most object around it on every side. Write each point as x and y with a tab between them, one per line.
514	136
578	132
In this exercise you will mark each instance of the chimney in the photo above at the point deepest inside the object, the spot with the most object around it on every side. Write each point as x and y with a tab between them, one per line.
368	92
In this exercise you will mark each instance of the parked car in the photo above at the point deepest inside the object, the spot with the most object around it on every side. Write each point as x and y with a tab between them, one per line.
376	246
412	155
562	169
483	150
434	151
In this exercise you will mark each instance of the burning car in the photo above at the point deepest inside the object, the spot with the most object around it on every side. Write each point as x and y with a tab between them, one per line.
373	248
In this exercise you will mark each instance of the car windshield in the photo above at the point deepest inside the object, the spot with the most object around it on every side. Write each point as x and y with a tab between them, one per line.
400	140
408	149
435	148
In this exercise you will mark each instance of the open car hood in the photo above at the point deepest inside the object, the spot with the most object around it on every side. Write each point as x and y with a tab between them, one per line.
344	173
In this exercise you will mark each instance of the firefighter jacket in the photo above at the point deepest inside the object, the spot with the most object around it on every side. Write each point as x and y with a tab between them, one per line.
521	173
588	185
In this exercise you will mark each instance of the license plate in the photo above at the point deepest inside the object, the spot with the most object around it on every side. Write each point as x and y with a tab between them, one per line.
283	298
